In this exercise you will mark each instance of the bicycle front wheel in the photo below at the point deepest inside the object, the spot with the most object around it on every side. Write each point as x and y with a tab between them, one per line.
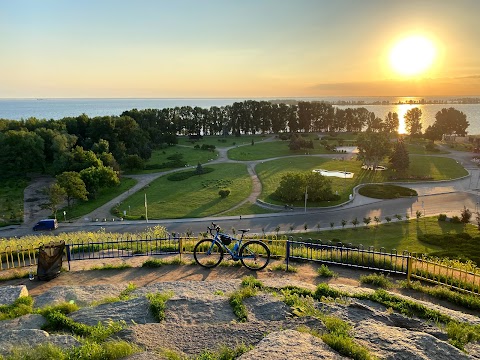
254	255
208	253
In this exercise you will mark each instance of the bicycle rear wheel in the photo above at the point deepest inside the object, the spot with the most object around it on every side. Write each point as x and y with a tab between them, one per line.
208	253
254	255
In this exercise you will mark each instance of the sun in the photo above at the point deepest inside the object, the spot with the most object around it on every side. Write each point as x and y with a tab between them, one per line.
412	56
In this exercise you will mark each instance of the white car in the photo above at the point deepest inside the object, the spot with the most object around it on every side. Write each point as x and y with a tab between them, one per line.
377	168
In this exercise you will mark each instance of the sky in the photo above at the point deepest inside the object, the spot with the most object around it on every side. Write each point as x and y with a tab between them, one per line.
233	49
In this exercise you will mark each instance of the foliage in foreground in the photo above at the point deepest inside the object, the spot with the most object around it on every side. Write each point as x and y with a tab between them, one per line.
109	350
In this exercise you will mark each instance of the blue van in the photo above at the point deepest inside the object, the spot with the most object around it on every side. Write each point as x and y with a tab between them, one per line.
46	224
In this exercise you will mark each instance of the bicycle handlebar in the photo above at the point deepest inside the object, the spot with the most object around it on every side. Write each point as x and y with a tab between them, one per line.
214	227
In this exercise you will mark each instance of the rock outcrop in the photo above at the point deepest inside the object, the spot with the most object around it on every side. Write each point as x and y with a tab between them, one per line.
198	316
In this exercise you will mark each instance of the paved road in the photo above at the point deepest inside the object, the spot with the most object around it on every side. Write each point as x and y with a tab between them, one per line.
434	198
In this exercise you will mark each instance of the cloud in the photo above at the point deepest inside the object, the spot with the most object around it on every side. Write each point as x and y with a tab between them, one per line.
465	86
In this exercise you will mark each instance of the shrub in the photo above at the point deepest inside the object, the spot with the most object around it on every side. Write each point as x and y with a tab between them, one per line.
324	271
224	193
455	220
442	217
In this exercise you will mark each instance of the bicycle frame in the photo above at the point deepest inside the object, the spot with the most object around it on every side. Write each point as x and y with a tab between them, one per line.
238	244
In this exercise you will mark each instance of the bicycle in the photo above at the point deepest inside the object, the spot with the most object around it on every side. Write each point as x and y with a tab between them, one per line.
208	253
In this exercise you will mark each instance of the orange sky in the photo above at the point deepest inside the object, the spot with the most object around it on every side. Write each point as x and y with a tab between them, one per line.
214	48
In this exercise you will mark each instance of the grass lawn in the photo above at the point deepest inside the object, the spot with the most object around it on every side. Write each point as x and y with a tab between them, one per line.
271	149
271	172
103	196
248	209
11	200
418	148
223	141
190	155
386	191
402	235
196	196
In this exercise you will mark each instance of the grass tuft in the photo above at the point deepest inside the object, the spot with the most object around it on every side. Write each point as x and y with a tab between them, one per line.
324	271
158	304
122	266
21	306
379	280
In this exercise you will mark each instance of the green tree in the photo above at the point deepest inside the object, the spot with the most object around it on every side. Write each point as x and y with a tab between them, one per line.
355	222
399	158
21	152
373	147
132	162
291	187
73	185
56	195
465	216
319	187
391	122
451	122
413	122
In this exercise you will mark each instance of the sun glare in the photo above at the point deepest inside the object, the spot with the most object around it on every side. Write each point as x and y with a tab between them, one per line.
412	56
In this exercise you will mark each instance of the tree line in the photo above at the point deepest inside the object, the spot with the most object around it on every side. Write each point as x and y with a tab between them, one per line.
77	143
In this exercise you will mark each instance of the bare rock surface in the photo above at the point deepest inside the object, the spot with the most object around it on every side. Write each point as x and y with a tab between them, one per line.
81	295
389	342
31	337
198	316
29	321
8	294
291	344
135	311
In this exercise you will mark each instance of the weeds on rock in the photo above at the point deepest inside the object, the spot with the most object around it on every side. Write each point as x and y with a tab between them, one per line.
158	304
21	306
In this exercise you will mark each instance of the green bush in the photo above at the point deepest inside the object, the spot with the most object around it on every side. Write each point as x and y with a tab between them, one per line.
224	193
324	271
442	217
158	304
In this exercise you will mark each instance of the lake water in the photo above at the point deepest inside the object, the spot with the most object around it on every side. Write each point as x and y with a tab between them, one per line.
16	109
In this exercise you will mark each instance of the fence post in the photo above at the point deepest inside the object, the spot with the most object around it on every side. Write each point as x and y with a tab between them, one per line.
180	249
409	268
67	249
287	252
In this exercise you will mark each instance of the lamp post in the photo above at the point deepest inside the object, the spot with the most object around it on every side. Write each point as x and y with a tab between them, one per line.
306	197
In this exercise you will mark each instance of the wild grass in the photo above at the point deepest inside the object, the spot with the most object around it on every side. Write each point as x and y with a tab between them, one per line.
21	306
338	335
109	350
283	267
249	287
158	304
324	271
379	280
225	352
122	266
468	301
156	263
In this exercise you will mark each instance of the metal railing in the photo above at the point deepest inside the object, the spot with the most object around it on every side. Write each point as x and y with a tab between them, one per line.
356	257
413	266
433	271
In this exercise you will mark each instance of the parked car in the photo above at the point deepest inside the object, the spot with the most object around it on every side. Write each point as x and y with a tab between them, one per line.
46	224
